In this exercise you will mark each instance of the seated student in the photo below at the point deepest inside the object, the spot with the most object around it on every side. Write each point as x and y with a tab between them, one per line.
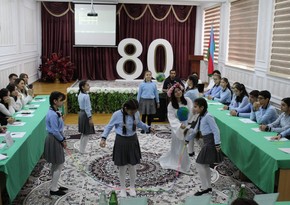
24	76
27	95
225	94
282	123
285	134
246	111
241	99
196	74
12	77
6	109
216	88
263	112
211	81
191	90
16	98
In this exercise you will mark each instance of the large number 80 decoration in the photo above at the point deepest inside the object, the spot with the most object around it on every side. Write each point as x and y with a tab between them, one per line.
150	57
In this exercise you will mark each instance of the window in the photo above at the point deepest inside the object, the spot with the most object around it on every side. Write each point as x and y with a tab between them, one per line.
280	60
242	33
211	18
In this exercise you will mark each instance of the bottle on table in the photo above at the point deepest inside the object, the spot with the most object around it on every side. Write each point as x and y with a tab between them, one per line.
113	198
232	194
103	198
242	192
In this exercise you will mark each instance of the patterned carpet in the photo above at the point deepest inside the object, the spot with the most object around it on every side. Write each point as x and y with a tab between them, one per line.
86	175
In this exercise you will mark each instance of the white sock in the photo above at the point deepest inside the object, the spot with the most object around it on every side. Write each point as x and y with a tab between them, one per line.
133	174
83	143
122	176
204	174
190	146
55	170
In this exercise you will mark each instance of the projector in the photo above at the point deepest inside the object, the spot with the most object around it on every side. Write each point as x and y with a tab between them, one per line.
92	14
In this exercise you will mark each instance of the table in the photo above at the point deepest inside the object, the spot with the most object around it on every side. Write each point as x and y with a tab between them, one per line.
257	158
26	151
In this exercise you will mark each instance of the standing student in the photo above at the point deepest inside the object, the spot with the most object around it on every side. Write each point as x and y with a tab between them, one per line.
85	121
171	159
55	141
209	130
126	151
192	93
148	98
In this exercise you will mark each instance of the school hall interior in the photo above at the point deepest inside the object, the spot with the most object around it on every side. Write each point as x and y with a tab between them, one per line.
252	46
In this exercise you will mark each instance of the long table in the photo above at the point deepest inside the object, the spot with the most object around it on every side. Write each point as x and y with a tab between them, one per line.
26	151
259	159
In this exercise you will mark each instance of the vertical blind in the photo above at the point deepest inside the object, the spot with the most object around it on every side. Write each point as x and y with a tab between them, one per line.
280	54
243	32
211	18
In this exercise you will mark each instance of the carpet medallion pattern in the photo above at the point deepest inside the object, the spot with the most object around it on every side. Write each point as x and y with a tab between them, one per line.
87	174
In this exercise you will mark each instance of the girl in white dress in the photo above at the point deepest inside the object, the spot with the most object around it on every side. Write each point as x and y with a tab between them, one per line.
171	159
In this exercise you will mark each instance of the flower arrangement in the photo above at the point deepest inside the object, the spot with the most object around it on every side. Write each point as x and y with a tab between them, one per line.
56	67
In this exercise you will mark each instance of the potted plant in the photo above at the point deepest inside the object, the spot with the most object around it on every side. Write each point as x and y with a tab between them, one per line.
56	68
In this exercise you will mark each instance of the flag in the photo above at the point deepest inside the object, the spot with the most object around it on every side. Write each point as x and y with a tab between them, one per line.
210	52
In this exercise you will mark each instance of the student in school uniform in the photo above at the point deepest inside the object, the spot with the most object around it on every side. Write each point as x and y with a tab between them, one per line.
210	133
211	81
245	112
55	141
15	97
85	120
285	134
263	112
126	151
192	93
241	99
27	95
216	88
282	123
6	109
148	98
224	96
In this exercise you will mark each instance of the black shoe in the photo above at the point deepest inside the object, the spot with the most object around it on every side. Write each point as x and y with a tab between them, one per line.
191	154
62	188
148	132
142	131
199	193
58	193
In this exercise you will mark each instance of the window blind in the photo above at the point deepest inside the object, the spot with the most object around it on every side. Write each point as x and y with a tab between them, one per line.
211	18
243	32
280	53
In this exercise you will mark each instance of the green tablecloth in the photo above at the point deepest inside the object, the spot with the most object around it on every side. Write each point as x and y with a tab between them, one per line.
256	157
26	151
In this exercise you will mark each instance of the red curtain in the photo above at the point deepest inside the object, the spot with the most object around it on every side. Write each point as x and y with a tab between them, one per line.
100	63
